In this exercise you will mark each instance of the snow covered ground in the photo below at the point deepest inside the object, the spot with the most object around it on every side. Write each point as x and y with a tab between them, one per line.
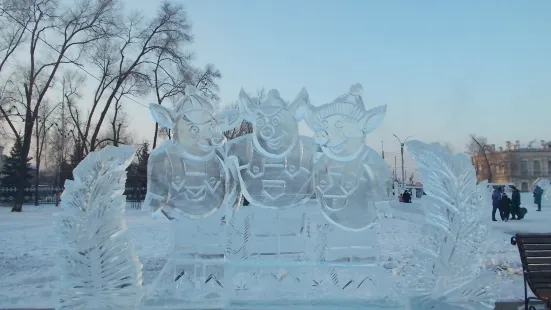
28	244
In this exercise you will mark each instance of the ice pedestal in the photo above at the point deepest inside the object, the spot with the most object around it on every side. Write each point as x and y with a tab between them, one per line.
267	250
297	257
194	274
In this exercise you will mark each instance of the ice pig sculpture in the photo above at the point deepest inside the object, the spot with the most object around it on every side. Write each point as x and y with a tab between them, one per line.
352	184
189	184
274	165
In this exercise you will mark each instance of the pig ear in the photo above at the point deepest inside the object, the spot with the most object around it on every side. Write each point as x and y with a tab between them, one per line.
300	105
246	105
373	118
161	115
229	117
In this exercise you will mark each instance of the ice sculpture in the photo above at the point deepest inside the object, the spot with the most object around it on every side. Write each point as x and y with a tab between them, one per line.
350	176
274	165
352	185
545	185
189	183
448	273
99	268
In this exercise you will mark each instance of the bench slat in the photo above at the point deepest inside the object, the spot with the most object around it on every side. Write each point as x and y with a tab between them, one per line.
534	240
537	247
538	268
537	253
543	291
538	260
539	280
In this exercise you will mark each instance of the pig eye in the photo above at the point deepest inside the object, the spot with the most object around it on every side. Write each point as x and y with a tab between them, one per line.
338	124
324	124
193	129
275	121
260	122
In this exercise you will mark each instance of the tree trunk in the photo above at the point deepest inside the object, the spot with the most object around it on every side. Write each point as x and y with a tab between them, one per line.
20	188
36	176
36	182
21	175
155	135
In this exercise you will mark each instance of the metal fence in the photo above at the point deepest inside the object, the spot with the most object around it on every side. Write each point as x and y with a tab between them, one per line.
50	195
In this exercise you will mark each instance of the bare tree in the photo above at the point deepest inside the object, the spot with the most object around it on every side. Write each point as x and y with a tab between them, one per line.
42	128
72	83
485	158
76	26
13	24
168	80
117	132
65	132
137	44
205	80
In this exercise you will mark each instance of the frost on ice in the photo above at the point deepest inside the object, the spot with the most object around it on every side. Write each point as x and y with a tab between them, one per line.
99	268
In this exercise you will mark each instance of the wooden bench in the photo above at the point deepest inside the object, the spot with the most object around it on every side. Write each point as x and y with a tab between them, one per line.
535	254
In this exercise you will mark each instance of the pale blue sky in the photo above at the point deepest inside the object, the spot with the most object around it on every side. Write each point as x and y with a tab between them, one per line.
444	68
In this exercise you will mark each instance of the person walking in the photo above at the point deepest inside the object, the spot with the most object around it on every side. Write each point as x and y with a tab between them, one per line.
538	192
496	197
515	204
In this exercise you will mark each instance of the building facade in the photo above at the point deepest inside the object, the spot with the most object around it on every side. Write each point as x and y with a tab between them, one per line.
516	164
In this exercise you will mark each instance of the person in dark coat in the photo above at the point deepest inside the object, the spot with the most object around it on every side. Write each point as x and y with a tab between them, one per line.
538	192
505	207
496	197
406	197
515	204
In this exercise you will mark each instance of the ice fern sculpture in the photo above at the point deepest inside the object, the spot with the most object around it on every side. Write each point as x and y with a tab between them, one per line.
99	269
448	273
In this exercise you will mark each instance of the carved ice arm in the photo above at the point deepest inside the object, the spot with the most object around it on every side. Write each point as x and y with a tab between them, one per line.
157	185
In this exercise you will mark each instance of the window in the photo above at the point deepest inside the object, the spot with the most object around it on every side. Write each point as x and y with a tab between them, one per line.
524	186
549	167
537	167
514	168
524	167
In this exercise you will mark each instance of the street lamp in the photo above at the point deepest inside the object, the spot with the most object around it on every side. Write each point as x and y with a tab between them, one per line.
402	153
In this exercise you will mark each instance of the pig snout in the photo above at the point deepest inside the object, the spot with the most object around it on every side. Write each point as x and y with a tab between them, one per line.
217	140
321	137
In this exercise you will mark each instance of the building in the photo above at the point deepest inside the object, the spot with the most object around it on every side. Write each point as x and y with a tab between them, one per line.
515	163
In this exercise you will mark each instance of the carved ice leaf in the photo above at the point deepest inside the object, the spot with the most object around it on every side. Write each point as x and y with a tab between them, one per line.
99	267
449	253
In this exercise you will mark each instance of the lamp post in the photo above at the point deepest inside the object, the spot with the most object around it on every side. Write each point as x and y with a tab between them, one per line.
402	153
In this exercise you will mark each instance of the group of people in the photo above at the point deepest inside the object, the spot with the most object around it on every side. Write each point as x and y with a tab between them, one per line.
405	197
509	208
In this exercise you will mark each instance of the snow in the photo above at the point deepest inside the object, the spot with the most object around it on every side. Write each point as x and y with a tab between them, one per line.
28	244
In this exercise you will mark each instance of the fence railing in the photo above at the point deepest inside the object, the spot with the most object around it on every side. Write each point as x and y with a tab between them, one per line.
50	195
